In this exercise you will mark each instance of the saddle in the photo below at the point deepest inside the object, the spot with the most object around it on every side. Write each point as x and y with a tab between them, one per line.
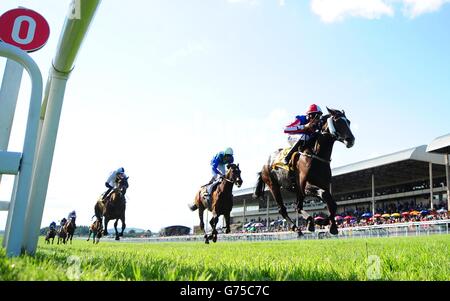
279	160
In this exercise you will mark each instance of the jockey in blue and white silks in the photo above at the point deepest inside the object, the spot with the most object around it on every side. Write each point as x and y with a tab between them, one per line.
218	169
72	215
302	130
111	182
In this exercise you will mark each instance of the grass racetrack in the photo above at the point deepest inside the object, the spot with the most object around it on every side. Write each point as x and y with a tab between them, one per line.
399	258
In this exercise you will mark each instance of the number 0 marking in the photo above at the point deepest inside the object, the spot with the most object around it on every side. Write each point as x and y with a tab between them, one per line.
18	25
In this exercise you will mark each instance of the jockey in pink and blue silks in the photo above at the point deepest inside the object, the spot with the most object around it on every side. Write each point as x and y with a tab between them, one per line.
302	130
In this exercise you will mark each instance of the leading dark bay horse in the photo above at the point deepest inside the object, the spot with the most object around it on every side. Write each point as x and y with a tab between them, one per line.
221	201
114	207
311	168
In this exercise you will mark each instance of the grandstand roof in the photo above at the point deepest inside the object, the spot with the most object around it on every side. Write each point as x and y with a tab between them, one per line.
417	153
244	191
392	169
440	145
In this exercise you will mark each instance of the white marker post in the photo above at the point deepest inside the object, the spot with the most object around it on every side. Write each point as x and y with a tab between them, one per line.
72	36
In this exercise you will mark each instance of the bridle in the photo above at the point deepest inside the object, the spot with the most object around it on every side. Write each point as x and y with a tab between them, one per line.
228	180
332	128
332	132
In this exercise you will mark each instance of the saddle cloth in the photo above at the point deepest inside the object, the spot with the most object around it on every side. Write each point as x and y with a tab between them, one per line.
278	162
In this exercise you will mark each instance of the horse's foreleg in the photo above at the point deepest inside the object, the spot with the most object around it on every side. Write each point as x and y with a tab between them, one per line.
115	229
213	222
227	222
123	225
300	199
332	208
90	232
105	232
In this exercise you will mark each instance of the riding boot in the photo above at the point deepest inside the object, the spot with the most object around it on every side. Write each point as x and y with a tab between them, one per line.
294	149
106	195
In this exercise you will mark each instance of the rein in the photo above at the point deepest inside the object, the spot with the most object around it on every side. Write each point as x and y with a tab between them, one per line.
313	156
229	181
331	131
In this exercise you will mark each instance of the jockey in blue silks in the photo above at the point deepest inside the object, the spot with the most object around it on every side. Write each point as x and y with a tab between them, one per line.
218	165
52	226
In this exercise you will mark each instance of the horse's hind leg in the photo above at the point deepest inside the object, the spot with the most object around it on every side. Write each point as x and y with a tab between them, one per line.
89	236
276	193
201	210
332	208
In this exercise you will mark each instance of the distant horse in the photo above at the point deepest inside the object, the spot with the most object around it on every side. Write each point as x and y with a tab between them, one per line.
113	207
312	169
221	201
51	234
97	230
62	235
70	228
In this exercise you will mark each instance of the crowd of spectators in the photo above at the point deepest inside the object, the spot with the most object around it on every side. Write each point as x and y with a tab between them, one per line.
386	213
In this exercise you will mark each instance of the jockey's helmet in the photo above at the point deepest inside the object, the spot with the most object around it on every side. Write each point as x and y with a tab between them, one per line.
314	109
228	151
121	170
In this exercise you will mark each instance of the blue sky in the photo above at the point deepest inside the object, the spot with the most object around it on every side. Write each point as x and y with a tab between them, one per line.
160	86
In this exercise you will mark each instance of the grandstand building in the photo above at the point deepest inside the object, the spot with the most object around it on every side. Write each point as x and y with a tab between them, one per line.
175	231
416	177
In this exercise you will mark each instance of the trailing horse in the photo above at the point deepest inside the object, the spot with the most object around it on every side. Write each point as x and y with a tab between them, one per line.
311	170
113	207
69	228
62	235
221	201
51	234
97	230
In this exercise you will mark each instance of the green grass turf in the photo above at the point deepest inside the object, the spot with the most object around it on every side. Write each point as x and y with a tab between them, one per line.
400	258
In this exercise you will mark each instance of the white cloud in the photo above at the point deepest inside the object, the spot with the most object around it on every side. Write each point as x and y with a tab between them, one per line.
336	10
414	8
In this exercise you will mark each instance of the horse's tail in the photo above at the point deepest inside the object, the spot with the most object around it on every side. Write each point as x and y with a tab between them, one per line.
198	197
98	211
260	186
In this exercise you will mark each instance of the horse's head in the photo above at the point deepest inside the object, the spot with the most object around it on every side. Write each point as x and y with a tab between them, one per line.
122	184
338	126
234	174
